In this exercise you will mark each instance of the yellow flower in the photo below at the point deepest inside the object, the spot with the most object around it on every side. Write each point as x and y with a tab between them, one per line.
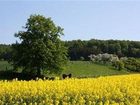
110	90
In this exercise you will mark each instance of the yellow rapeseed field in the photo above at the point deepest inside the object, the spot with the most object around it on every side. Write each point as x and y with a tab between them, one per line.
111	90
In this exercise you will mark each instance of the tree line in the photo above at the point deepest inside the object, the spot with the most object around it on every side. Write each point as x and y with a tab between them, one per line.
79	49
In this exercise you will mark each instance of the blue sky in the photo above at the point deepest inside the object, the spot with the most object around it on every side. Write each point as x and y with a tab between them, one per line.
81	19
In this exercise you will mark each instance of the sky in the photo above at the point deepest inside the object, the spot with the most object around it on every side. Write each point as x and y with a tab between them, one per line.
81	19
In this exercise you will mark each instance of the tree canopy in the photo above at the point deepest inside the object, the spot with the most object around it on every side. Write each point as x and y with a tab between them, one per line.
121	48
78	49
40	47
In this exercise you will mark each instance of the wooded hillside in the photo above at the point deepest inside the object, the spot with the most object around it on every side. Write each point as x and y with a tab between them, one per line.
78	48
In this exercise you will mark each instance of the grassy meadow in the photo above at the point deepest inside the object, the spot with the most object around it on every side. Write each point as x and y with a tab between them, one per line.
88	69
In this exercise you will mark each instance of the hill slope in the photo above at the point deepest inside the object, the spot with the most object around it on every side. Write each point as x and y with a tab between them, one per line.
87	69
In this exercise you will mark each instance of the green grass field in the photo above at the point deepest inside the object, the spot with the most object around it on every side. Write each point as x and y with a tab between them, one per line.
79	69
87	69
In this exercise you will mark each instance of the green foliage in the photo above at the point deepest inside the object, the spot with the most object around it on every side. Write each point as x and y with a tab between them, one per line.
78	48
5	52
82	58
4	65
132	64
40	47
119	65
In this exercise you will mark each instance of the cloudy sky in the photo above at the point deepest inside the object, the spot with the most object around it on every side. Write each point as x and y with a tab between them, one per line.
81	19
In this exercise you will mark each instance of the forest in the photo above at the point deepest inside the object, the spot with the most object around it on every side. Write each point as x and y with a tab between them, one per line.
78	49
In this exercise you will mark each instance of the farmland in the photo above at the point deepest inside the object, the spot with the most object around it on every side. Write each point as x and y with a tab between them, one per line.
110	90
108	87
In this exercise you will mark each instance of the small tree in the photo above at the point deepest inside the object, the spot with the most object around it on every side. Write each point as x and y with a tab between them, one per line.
119	65
40	47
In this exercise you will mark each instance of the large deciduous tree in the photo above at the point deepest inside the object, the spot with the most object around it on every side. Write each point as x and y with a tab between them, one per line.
40	47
